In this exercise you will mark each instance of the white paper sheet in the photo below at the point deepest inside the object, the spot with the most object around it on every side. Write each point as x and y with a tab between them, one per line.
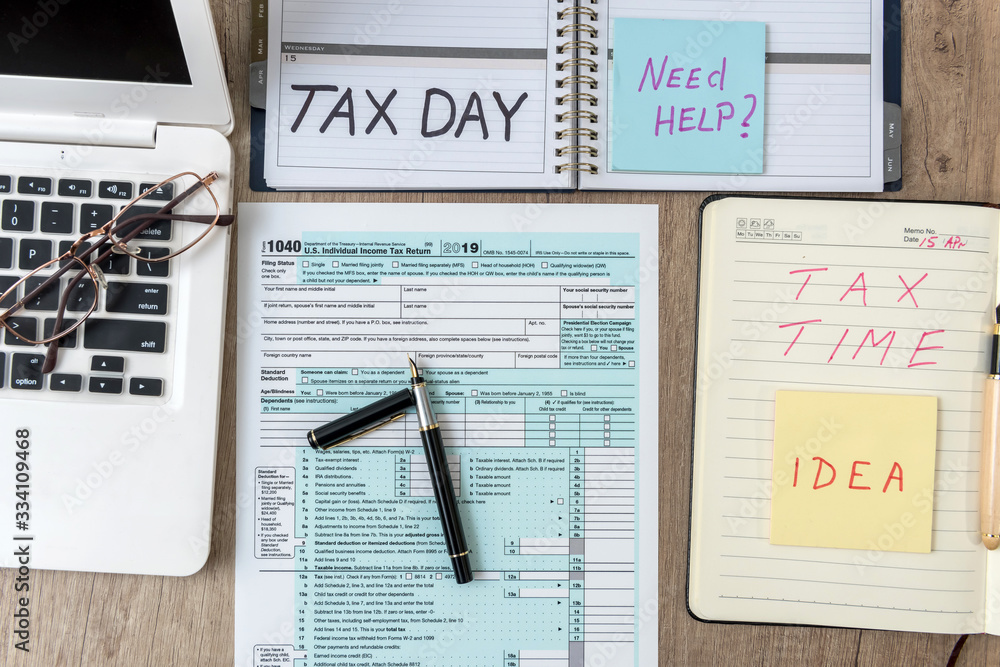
536	330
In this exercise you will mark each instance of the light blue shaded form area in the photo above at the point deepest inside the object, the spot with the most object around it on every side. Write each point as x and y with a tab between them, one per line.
543	459
688	96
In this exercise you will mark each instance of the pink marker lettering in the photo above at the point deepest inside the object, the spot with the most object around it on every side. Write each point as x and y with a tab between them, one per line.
862	289
921	348
909	290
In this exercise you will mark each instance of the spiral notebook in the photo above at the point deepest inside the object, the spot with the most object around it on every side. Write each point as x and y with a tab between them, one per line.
432	95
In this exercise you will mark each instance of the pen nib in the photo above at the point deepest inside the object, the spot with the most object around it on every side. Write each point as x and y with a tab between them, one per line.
413	366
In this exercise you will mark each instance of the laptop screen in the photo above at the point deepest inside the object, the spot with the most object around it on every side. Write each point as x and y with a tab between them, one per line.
133	41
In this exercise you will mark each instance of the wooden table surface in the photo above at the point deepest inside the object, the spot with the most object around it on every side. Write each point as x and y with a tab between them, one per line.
951	115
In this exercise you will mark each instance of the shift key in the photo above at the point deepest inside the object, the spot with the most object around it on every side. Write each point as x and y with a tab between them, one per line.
125	335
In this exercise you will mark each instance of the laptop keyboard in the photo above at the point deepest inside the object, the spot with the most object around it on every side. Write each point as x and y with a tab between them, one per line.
121	352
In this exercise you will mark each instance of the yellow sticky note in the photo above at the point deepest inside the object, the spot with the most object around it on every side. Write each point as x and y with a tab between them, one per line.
854	471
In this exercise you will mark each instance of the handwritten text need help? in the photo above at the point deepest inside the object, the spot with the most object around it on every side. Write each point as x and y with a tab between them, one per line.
687	119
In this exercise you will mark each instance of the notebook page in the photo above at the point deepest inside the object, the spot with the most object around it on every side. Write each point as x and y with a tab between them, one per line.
789	292
822	98
426	94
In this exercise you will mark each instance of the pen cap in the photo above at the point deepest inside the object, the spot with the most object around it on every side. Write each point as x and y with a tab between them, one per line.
342	428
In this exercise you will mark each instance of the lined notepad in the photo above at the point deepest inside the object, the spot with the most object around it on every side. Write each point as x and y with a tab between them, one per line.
450	94
840	296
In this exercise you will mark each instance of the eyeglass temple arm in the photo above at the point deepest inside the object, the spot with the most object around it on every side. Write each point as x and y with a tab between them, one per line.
224	220
52	353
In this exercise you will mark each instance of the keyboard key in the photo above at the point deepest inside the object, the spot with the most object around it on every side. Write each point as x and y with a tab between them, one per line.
26	326
159	230
26	371
34	185
163	193
105	364
75	187
56	218
5	187
65	382
115	190
33	253
6	282
46	299
145	387
103	385
92	216
82	296
153	269
81	250
17	216
136	298
124	335
3	368
6	253
117	263
69	340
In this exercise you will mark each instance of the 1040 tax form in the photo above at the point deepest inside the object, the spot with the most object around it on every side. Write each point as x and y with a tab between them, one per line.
535	327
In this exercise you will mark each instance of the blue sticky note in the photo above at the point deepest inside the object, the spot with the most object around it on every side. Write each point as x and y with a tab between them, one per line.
688	96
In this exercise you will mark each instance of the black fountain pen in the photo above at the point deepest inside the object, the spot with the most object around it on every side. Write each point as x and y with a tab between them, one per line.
390	408
444	492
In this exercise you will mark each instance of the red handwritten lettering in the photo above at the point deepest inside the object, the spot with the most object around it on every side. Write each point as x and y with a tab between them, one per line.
808	276
921	348
838	346
862	289
871	333
819	470
892	475
801	329
909	290
855	473
826	469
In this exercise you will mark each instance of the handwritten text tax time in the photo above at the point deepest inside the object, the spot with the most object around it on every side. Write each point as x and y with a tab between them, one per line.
854	340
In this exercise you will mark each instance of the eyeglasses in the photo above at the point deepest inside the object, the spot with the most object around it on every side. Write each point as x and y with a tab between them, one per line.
44	286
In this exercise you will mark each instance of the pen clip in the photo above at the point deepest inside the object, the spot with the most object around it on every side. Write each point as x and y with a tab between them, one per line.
366	431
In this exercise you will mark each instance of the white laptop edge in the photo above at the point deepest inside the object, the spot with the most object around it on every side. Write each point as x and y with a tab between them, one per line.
119	107
122	504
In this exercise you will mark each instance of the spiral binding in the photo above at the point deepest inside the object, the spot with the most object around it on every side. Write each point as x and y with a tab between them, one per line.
578	31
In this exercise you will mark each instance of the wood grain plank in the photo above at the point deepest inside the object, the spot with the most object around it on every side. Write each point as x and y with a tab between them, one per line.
950	130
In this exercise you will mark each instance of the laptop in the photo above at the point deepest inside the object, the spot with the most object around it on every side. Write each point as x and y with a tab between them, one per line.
107	463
